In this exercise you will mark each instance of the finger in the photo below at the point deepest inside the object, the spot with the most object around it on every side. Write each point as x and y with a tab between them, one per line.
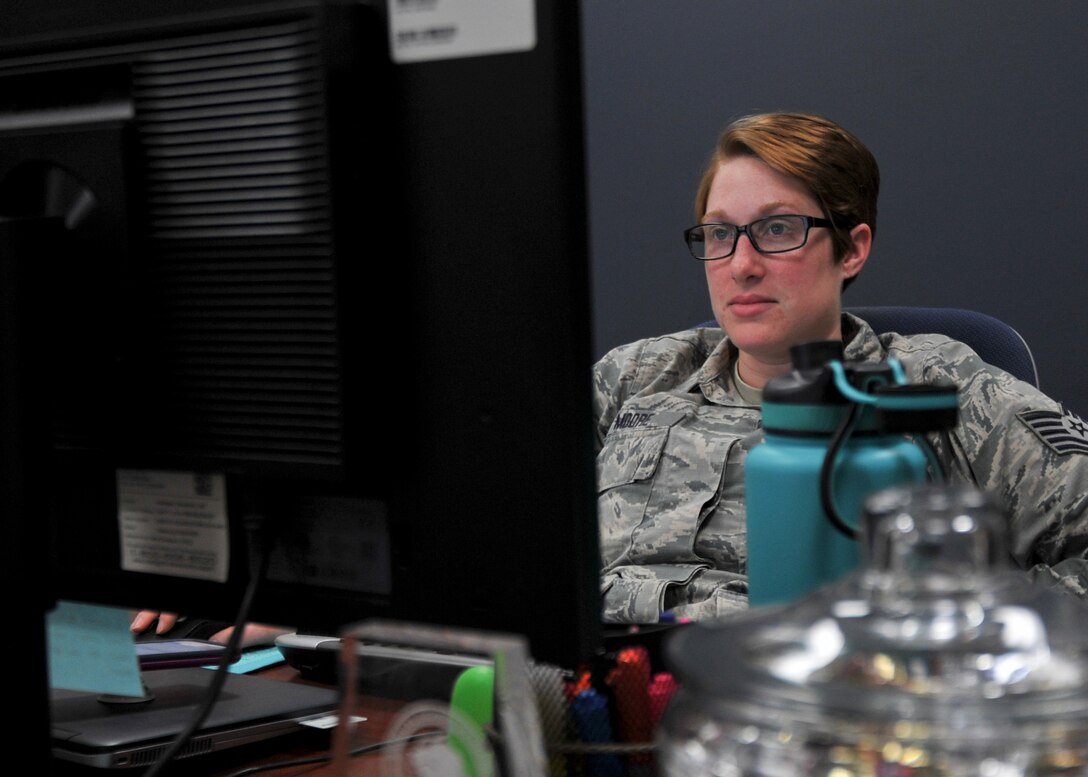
142	620
166	622
261	634
254	634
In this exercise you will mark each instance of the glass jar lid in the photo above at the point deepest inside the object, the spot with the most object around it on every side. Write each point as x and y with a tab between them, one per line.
935	626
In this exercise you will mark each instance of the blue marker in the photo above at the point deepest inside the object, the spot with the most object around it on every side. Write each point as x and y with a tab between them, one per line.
590	711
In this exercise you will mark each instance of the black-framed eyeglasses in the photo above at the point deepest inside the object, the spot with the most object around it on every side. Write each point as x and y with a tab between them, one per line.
770	235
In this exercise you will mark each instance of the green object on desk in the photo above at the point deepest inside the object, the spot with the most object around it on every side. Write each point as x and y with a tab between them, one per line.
472	711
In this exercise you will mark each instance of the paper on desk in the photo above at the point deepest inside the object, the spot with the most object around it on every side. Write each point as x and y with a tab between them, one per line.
91	649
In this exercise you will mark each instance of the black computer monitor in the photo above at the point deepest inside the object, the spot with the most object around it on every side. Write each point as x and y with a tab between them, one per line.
337	300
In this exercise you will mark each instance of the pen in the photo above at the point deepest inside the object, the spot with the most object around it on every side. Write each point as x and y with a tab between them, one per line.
590	712
582	682
629	681
662	688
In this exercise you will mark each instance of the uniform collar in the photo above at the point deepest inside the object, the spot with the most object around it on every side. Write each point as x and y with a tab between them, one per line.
713	378
861	342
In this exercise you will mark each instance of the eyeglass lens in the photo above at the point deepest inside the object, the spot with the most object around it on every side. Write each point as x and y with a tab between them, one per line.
769	235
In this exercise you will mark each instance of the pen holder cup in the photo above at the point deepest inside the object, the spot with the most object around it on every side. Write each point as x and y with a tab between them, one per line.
498	713
601	720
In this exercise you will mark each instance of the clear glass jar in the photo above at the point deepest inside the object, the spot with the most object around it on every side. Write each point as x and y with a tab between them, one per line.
936	657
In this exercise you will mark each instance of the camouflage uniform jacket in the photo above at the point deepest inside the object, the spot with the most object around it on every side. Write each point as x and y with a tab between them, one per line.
672	435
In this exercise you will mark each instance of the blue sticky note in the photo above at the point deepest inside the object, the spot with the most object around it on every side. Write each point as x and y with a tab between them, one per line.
254	659
91	649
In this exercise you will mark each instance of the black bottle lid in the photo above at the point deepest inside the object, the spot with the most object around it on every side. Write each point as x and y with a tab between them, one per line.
809	382
815	355
926	408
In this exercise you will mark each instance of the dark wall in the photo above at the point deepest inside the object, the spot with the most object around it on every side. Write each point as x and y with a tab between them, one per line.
975	109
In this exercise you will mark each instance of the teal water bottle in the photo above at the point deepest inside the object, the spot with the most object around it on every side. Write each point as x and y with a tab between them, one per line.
833	434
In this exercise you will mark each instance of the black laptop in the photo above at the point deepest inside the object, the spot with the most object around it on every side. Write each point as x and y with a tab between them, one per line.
115	733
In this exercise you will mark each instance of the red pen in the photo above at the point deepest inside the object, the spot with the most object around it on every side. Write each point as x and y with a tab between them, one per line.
583	682
629	681
662	688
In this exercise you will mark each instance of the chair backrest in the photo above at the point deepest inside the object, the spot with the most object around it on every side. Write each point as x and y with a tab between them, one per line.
991	338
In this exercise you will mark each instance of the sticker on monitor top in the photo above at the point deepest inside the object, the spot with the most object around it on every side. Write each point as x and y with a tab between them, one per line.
173	523
427	30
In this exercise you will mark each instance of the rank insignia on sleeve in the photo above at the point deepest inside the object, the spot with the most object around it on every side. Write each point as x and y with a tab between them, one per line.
1063	432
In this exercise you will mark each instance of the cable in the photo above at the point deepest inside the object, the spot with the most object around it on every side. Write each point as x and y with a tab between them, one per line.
838	439
254	524
938	471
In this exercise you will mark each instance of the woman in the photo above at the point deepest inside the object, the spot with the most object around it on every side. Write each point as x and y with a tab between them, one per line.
786	217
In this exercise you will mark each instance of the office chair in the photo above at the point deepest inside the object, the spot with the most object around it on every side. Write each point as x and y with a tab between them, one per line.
992	339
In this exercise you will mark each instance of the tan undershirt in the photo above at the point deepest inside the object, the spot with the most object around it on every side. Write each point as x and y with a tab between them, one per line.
750	394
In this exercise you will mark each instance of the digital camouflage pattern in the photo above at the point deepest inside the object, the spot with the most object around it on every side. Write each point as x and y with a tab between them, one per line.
672	437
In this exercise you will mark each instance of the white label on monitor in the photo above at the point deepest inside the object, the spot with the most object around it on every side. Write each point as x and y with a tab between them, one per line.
173	523
424	30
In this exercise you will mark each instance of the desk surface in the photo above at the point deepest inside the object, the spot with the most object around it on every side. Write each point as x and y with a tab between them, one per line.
379	714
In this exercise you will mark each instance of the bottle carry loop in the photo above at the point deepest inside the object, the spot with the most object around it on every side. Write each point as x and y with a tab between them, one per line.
919	406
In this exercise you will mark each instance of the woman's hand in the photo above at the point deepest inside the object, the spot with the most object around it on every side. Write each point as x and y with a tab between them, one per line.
254	634
164	621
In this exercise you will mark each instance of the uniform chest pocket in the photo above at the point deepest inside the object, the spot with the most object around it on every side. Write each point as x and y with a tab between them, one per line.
630	456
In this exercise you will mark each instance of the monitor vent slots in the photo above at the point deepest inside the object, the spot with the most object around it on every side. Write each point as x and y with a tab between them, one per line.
241	261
